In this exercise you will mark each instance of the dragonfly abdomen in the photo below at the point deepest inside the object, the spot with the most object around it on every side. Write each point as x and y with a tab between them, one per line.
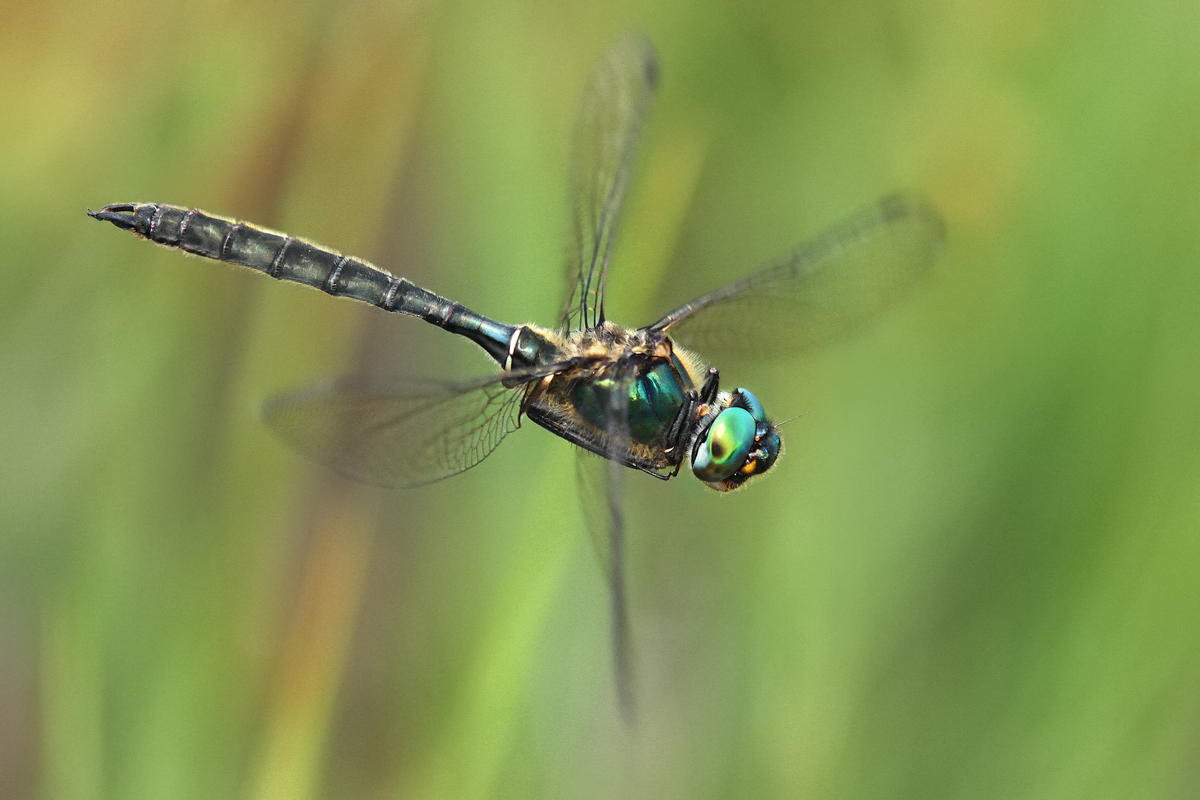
290	259
280	256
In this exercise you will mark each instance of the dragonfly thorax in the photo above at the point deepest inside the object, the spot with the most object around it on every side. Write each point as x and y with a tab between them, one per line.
623	393
635	396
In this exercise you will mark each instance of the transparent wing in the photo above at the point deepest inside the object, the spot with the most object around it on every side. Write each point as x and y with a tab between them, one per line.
601	492
824	288
402	434
606	137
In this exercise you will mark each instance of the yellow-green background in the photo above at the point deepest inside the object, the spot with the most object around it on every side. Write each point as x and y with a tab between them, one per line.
974	574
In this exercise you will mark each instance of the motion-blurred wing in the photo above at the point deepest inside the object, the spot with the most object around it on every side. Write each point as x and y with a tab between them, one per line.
825	288
601	492
402	434
606	138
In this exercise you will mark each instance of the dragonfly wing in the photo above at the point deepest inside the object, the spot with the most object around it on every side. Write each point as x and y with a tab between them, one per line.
402	434
606	138
822	289
601	485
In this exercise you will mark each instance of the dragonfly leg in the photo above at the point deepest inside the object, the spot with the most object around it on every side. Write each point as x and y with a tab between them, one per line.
658	475
678	432
708	392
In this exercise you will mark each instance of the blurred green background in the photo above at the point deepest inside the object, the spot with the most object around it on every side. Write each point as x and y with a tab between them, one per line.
973	574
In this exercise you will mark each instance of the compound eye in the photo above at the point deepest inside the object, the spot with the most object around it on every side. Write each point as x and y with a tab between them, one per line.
748	401
725	446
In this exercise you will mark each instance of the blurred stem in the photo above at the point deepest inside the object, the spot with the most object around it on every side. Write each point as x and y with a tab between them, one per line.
71	702
313	654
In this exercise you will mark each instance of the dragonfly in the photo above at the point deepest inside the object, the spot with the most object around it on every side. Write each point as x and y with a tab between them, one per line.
643	399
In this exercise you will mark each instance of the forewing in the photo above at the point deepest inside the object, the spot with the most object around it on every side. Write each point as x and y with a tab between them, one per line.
606	138
601	491
821	290
401	434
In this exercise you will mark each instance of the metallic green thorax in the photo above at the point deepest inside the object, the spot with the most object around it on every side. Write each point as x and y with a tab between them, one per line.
653	403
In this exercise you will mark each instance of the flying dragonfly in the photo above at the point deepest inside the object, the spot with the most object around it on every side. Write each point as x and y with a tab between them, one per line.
639	398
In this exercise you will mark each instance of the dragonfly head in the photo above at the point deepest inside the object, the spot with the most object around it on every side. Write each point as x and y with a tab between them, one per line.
739	443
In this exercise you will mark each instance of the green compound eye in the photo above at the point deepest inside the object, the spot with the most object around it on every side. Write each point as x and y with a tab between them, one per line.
752	404
725	447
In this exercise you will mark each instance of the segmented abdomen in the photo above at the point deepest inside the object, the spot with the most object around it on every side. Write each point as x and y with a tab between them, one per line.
280	256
